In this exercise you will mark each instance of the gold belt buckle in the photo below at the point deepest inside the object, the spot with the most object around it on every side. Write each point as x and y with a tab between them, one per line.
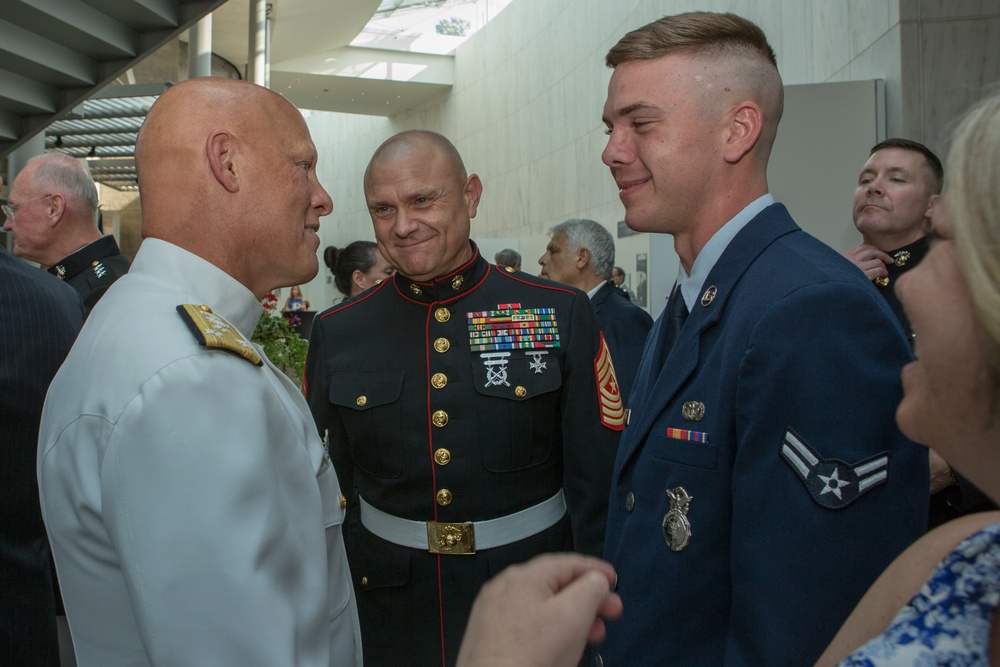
451	538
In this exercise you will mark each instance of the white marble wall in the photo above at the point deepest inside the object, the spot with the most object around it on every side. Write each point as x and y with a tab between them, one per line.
529	88
951	58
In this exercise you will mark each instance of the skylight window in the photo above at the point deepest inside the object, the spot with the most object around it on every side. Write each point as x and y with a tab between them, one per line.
427	26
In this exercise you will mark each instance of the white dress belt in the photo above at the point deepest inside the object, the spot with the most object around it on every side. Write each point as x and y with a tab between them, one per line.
485	534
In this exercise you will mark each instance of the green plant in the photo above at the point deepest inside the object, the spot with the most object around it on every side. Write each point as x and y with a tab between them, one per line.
282	344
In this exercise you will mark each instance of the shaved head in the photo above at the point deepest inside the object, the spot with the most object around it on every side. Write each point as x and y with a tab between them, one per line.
421	201
173	139
419	142
220	164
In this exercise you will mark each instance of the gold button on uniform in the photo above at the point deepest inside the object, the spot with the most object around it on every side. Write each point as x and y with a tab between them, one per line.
882	281
364	581
362	400
442	315
442	457
439	380
444	497
439	418
343	502
520	392
442	345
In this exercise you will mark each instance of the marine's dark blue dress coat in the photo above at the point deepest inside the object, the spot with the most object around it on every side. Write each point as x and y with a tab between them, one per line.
796	363
511	444
625	326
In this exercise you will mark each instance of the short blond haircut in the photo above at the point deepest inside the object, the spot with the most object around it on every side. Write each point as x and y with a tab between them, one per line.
728	39
972	190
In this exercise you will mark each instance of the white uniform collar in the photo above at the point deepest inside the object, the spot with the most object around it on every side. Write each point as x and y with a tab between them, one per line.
204	283
597	288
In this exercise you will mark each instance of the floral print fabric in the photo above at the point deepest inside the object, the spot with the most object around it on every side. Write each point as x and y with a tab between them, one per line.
948	621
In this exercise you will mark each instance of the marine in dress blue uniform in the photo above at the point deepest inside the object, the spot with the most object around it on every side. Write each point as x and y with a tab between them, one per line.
439	412
625	327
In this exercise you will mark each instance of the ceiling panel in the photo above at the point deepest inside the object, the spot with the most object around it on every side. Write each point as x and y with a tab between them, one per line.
54	54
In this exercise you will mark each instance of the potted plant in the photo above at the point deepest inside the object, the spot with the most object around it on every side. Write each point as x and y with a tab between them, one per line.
282	344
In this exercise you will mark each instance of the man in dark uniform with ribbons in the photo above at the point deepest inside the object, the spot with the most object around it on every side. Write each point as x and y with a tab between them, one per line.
472	411
52	217
898	187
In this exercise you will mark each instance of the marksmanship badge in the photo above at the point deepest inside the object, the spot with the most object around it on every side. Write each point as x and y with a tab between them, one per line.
496	368
676	527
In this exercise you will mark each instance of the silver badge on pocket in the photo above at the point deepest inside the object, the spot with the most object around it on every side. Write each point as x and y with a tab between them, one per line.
676	527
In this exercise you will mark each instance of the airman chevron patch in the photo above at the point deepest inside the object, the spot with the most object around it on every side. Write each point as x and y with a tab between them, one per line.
831	483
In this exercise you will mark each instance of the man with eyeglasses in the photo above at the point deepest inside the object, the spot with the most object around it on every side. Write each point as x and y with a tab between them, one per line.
52	217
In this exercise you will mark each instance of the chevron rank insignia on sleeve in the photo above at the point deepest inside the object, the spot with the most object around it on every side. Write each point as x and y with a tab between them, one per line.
832	484
608	393
215	332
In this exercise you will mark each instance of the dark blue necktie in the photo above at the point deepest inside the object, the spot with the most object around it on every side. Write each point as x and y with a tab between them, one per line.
677	312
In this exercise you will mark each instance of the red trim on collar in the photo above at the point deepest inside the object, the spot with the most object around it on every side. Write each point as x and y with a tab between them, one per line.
364	296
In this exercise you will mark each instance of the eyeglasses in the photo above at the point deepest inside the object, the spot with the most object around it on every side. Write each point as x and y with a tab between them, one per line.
10	209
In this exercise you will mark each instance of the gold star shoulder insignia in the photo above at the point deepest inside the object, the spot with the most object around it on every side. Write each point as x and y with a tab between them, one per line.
215	332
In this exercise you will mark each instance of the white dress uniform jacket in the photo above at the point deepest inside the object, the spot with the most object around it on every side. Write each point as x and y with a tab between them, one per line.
193	514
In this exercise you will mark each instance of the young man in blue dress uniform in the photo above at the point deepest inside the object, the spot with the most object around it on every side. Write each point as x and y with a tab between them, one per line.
761	484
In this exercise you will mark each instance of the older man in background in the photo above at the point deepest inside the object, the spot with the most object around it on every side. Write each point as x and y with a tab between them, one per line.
508	257
581	253
52	218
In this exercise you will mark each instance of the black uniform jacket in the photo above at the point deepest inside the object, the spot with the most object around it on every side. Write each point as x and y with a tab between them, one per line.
92	269
625	327
432	416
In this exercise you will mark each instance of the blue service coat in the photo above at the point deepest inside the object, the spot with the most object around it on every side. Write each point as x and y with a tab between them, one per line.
804	489
625	326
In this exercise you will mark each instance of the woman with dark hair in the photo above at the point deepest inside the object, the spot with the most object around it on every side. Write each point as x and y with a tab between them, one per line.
356	267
